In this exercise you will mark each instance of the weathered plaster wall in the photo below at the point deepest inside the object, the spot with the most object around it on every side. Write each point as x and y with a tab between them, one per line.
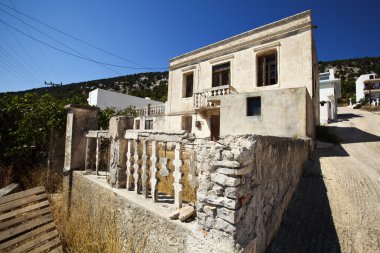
118	146
245	185
283	113
80	118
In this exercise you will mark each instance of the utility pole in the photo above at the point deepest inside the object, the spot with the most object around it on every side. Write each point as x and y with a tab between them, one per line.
53	84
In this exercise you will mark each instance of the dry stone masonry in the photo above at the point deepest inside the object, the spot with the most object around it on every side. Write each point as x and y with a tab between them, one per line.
245	184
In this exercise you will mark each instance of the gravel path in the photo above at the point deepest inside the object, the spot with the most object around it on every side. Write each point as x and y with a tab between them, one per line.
337	205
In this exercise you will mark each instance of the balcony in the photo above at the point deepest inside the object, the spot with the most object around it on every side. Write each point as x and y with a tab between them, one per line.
156	110
207	98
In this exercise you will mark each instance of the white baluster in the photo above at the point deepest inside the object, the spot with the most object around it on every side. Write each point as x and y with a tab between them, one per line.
153	173
136	166
97	157
129	164
177	176
144	172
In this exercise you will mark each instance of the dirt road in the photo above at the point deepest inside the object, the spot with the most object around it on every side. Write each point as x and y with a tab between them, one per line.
337	205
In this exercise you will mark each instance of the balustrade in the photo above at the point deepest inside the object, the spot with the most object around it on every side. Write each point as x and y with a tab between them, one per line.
144	176
201	99
151	110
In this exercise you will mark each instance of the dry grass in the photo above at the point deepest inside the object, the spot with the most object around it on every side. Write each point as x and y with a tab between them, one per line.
38	176
87	229
6	175
370	108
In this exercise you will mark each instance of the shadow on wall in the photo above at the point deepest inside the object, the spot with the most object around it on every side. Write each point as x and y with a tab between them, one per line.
307	224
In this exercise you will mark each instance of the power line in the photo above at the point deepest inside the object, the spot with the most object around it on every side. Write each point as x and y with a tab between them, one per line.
11	71
29	69
38	69
10	62
63	44
74	55
36	44
80	40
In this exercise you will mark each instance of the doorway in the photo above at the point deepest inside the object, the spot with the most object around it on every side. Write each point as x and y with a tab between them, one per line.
215	127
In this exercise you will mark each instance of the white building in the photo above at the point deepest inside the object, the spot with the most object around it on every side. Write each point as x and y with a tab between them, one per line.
329	92
368	87
119	101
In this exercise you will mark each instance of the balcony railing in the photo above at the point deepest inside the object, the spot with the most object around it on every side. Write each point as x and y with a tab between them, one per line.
151	110
204	98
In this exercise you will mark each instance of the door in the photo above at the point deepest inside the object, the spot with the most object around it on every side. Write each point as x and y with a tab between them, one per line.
215	127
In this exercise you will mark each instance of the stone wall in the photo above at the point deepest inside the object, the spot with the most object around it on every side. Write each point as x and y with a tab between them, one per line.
245	185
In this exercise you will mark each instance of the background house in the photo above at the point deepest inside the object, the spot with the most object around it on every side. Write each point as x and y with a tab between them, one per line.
329	92
119	101
368	87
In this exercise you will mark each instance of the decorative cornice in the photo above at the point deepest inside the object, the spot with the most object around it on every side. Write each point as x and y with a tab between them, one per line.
307	25
220	59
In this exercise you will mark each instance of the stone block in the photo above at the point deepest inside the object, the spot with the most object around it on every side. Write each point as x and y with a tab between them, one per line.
224	163
225	226
232	216
235	171
222	201
225	180
186	212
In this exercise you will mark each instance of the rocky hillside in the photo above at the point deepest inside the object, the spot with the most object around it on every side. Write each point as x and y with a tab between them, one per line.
151	84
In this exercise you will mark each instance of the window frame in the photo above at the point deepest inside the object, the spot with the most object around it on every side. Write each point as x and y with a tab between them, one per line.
150	124
248	107
266	70
184	84
265	50
229	74
183	121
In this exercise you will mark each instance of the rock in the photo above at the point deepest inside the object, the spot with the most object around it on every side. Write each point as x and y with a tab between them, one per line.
225	180
235	172
222	201
224	226
224	163
186	212
174	215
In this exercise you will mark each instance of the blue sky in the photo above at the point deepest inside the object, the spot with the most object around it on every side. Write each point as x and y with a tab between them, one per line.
151	32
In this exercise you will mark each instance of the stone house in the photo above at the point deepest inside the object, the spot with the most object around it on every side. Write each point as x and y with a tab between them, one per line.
254	93
264	81
329	92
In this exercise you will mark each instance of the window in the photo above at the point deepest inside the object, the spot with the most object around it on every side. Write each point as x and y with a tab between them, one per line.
267	69
188	85
254	106
137	124
148	124
187	122
221	74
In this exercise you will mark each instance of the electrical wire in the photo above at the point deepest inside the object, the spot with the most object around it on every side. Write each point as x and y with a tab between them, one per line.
79	40
74	55
36	44
63	44
28	68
